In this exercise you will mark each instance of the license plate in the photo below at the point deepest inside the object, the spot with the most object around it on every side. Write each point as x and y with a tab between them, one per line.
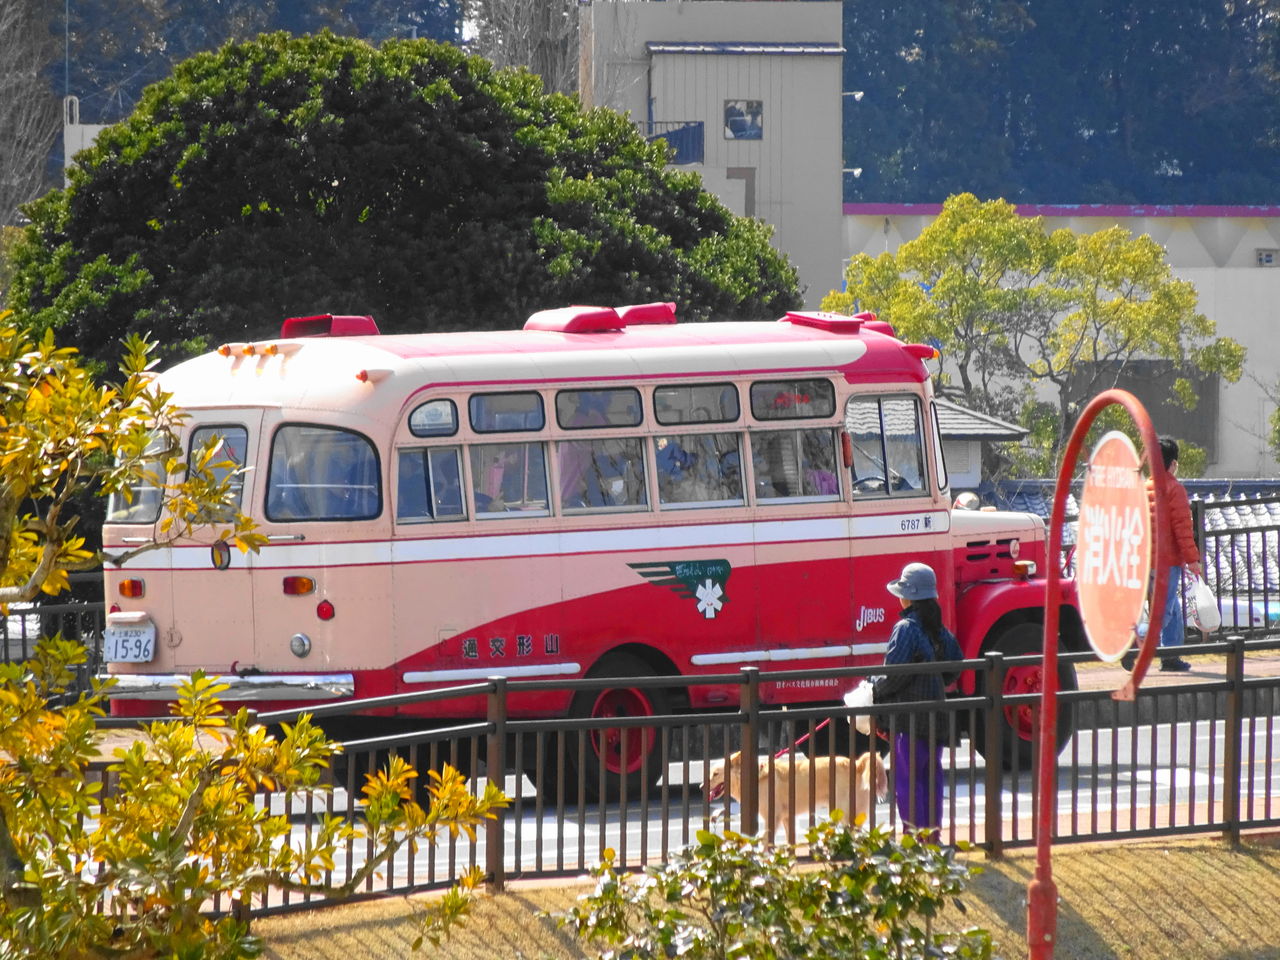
135	643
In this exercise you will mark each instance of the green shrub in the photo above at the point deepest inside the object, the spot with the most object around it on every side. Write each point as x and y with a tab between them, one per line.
870	896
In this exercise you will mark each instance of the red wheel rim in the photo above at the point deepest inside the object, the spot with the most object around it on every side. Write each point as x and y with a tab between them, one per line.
608	743
1019	681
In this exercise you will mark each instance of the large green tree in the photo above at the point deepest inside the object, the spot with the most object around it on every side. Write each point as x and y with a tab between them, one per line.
1020	313
295	175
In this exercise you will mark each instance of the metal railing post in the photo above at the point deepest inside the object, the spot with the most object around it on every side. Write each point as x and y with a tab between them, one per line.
993	820
1234	729
1197	523
749	757
495	762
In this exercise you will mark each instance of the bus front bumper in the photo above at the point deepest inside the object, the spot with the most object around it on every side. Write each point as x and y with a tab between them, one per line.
251	687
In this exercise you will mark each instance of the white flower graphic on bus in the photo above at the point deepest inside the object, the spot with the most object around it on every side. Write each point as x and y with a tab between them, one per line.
709	594
701	580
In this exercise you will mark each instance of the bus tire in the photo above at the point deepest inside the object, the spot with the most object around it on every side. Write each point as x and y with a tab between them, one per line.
1016	721
642	762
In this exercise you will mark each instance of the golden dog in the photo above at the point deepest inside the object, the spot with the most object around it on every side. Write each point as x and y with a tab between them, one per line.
868	773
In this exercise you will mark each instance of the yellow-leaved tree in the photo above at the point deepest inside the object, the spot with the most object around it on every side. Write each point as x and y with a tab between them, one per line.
133	872
1032	323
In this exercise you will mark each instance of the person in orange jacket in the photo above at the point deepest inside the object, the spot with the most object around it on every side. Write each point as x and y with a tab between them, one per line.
1180	553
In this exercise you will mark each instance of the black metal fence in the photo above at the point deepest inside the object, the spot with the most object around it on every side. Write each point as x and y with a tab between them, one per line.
1189	759
69	614
1240	549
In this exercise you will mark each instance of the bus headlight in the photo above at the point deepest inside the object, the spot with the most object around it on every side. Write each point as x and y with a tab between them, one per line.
300	644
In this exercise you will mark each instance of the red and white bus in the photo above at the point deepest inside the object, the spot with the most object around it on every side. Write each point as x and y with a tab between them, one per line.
604	493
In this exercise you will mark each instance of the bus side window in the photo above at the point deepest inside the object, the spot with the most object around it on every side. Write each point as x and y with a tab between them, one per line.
696	403
446	483
602	474
412	503
699	469
506	412
903	445
507	477
795	464
862	421
429	485
792	399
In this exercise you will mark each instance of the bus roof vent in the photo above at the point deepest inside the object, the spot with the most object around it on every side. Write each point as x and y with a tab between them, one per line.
576	320
831	322
644	313
327	325
879	326
582	319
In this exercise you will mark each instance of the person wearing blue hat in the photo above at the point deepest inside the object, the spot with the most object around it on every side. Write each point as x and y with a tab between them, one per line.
918	637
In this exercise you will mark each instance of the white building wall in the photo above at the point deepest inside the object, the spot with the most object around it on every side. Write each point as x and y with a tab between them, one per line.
76	136
1245	304
791	177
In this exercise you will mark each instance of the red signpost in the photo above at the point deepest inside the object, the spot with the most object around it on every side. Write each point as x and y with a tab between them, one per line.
1114	551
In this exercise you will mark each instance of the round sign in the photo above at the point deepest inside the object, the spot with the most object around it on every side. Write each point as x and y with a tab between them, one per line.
1113	548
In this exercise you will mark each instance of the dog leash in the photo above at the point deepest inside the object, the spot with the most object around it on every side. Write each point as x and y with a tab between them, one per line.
788	749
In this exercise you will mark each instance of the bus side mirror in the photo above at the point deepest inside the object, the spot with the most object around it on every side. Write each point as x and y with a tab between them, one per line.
846	449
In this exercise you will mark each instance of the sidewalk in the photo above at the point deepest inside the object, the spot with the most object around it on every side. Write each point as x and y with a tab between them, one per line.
1204	668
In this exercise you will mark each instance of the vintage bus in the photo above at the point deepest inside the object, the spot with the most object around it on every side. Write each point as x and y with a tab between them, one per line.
604	493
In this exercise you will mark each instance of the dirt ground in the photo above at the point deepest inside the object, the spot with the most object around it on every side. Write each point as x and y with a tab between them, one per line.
1190	900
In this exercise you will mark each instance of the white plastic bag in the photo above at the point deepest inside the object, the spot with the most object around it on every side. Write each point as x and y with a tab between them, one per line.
859	698
1203	608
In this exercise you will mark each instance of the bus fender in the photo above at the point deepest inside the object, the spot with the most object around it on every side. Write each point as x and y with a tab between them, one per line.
984	605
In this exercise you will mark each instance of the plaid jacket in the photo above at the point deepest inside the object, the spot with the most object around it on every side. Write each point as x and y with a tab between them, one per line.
910	644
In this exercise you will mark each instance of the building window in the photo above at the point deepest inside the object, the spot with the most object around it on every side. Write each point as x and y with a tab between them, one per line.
744	119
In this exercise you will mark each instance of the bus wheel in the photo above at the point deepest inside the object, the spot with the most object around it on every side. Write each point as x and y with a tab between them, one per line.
632	754
1016	720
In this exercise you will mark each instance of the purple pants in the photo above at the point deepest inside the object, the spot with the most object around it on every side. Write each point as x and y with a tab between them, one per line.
917	782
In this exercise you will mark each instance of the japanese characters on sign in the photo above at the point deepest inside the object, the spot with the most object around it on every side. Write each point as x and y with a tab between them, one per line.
1113	552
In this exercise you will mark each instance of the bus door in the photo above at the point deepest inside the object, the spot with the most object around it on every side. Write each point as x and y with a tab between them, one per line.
802	553
212	584
323	586
430	510
900	513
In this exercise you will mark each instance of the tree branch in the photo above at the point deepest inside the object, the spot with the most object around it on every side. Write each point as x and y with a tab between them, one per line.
15	890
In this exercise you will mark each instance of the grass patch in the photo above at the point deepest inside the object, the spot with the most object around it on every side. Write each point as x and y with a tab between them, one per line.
1193	899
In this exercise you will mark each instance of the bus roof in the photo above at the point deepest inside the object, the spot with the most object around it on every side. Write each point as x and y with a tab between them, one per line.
349	371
